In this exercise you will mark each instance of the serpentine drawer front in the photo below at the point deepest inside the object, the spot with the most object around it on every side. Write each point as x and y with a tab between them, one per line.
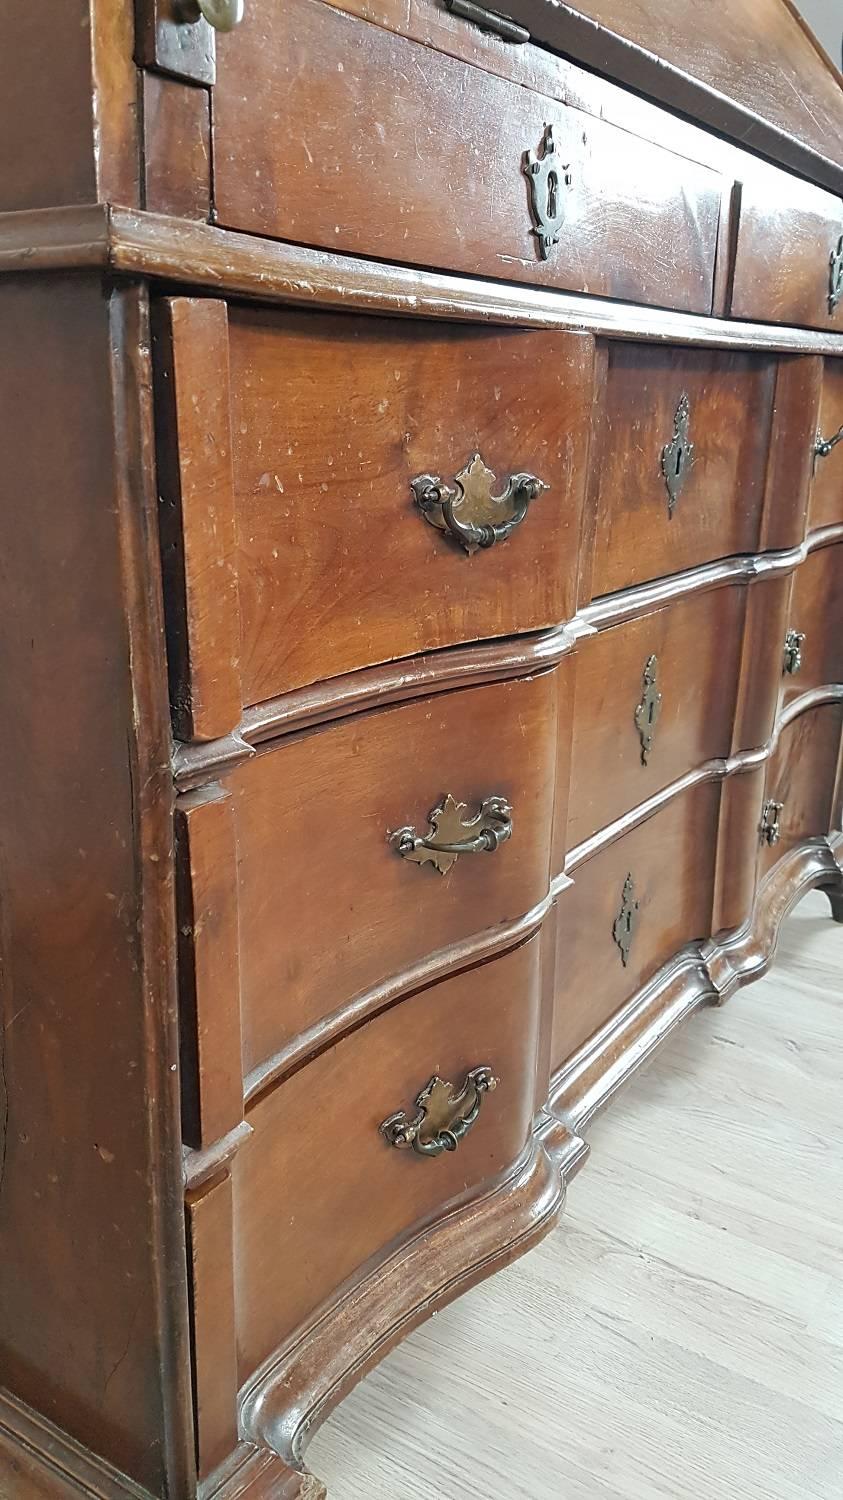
309	146
314	501
422	687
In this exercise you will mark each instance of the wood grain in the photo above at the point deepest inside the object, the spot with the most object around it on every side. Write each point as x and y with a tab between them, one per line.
801	775
313	821
324	156
718	510
787	232
176	147
816	610
826	503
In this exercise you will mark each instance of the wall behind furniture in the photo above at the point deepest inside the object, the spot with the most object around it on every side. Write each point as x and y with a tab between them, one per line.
825	17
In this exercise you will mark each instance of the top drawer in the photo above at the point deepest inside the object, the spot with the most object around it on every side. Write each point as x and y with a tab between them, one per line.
789	259
333	132
297	546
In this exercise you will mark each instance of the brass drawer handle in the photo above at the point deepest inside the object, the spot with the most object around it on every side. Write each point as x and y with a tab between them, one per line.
471	514
823	446
678	455
223	15
793	643
444	1117
835	275
649	708
452	833
771	829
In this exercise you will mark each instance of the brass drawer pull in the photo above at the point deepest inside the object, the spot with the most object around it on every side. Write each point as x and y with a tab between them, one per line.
649	708
823	446
678	455
771	829
444	1117
626	920
452	833
793	643
223	15
835	276
471	514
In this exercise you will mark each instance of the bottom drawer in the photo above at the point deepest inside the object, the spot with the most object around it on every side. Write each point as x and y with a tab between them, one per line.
318	1189
631	907
800	783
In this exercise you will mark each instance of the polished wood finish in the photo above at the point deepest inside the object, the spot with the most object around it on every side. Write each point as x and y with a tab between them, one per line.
251	287
489	1015
826	504
697	646
788	230
718	511
640	222
313	823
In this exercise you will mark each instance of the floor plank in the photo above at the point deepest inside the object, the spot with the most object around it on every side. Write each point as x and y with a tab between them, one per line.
680	1335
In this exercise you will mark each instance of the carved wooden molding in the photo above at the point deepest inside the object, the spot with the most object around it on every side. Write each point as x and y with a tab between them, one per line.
297	1388
467	666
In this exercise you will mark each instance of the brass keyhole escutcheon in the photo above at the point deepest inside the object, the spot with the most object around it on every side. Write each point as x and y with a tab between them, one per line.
626	920
546	176
649	708
835	276
678	455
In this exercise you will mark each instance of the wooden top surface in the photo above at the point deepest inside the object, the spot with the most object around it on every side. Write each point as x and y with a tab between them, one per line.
750	69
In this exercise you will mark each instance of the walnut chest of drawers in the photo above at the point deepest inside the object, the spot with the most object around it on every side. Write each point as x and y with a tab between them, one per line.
422	607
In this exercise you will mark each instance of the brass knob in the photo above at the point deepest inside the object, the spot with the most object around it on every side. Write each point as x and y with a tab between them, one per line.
223	15
444	1116
471	514
452	833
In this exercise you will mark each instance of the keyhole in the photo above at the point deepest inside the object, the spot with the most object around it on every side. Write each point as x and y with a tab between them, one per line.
680	454
552	189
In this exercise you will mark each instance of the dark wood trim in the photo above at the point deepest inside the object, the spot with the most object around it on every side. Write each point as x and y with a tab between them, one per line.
225	262
35	1453
565	30
196	764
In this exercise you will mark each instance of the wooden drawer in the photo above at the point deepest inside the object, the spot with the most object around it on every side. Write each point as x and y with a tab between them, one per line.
660	875
816	612
642	529
801	775
317	1189
329	910
826	503
310	146
789	256
294	547
654	698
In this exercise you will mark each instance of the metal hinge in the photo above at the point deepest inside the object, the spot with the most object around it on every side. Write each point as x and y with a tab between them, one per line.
488	20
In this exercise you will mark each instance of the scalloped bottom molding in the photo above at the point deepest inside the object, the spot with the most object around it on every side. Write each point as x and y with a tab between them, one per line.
296	1390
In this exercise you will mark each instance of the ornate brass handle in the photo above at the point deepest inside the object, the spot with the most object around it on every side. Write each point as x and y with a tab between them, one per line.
771	830
444	1117
452	833
471	514
223	15
835	275
793	643
678	455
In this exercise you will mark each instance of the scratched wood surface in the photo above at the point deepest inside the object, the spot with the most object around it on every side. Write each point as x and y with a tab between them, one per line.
681	1333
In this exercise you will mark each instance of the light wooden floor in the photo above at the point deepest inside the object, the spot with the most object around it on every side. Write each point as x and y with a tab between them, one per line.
680	1335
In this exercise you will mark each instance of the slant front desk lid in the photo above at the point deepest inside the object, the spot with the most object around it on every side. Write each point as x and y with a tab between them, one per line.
750	69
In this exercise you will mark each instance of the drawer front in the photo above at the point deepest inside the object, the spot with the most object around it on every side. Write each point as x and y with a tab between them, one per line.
655	886
789	257
332	132
800	783
329	907
317	1188
338	561
681	462
655	697
814	644
826	503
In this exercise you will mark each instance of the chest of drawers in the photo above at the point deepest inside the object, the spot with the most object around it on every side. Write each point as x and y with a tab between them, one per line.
422	599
